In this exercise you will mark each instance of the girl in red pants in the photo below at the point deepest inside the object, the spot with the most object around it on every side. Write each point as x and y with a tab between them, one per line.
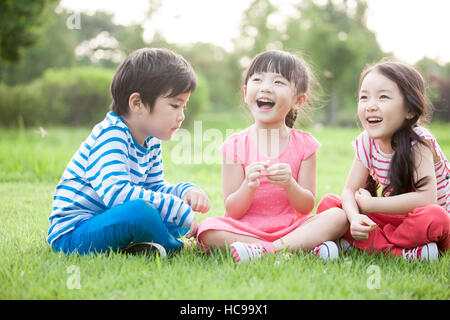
411	217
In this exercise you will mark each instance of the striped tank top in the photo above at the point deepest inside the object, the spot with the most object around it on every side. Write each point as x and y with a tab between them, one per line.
378	163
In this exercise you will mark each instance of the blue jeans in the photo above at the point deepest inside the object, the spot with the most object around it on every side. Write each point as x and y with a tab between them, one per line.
133	221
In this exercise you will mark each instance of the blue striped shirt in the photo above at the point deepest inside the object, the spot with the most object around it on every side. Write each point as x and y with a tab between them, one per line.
110	168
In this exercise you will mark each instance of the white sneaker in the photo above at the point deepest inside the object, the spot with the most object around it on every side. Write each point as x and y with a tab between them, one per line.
145	248
327	250
428	252
344	245
244	251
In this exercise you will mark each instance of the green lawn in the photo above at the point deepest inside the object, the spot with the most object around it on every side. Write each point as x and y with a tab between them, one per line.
31	165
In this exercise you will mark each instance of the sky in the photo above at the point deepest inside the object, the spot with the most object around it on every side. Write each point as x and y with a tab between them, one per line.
411	29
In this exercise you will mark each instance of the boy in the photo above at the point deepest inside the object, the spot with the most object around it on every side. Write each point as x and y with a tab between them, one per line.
112	195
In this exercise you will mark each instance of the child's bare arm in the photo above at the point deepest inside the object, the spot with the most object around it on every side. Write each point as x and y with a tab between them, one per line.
300	192
406	202
239	187
360	224
356	179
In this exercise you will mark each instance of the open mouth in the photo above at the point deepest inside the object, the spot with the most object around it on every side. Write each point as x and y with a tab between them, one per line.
265	103
374	120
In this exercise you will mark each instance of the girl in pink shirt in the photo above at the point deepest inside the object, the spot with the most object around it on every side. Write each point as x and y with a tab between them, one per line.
410	218
269	171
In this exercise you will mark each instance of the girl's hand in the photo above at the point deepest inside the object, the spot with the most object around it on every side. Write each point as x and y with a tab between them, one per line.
364	199
197	200
280	173
253	172
360	226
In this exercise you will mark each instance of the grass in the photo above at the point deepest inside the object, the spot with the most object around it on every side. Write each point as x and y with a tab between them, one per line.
31	165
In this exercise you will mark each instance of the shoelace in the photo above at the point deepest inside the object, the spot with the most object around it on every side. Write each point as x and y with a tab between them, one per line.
255	250
317	250
411	253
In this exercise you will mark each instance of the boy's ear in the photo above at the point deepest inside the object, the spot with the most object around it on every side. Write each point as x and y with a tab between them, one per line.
301	99
135	102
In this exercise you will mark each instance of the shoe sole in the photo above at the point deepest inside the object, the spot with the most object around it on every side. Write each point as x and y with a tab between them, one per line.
145	248
332	251
431	253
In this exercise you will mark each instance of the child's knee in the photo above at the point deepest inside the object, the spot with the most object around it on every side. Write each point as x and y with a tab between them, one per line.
139	205
439	218
207	236
141	212
336	218
434	219
341	217
329	201
214	239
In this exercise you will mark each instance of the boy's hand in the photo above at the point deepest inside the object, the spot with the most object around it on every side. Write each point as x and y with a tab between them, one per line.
253	172
193	230
363	199
280	173
197	200
360	226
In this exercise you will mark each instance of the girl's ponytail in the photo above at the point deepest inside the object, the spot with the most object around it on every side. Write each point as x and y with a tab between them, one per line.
403	164
372	186
290	118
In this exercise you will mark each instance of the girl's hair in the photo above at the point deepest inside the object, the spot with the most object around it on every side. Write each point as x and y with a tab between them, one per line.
151	72
402	167
290	66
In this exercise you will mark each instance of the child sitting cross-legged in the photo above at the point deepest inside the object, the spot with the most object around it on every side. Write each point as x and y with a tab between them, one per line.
394	153
269	171
112	194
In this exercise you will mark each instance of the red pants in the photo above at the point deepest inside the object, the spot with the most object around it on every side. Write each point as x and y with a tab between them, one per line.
397	232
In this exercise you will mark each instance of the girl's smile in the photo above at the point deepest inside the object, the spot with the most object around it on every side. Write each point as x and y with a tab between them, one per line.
265	104
374	121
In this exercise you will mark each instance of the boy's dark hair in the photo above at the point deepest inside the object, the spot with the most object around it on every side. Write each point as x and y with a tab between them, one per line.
151	72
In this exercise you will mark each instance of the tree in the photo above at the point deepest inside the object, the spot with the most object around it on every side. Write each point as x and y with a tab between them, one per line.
437	78
335	38
255	33
20	25
332	37
215	65
105	43
55	48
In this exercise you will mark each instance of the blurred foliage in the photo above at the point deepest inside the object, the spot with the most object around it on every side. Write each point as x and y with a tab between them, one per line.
438	90
64	76
332	38
76	96
56	49
20	24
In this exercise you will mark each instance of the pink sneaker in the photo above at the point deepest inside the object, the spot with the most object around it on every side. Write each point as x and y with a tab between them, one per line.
245	252
428	252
